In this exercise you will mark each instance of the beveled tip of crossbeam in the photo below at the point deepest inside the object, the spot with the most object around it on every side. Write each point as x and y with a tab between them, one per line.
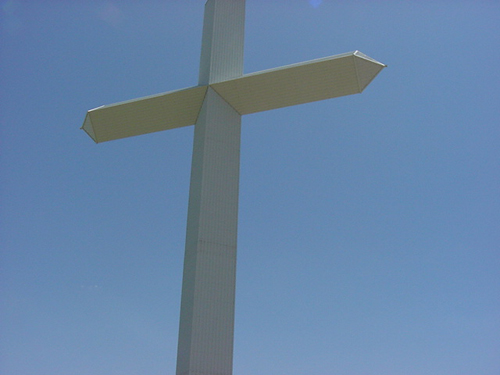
149	114
88	128
305	82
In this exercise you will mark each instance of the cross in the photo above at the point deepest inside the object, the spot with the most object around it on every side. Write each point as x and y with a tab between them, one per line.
215	107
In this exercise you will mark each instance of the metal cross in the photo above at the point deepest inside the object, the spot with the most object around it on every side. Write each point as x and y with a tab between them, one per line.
215	107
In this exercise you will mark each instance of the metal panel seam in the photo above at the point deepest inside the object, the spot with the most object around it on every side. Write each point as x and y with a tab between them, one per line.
201	106
357	71
223	98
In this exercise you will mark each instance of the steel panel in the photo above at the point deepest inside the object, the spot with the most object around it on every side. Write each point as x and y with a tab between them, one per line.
223	41
206	329
150	114
208	291
305	82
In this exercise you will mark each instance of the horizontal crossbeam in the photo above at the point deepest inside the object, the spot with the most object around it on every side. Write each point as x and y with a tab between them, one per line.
149	114
305	82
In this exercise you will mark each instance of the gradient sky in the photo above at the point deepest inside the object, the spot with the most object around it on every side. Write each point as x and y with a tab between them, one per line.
369	225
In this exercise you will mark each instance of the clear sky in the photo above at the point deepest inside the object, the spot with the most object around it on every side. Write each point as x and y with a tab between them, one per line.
369	225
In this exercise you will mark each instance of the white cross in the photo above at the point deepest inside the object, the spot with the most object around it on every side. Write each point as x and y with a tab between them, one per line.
215	107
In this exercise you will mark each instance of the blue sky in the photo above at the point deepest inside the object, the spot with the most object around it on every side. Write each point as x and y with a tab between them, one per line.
369	231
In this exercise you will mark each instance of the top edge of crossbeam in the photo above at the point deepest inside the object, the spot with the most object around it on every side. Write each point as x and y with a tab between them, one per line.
321	59
160	94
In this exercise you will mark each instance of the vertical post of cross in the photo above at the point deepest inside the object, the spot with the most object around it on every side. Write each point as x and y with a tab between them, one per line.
209	279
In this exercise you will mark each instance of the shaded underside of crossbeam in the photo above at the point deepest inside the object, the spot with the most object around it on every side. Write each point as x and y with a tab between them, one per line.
149	114
305	82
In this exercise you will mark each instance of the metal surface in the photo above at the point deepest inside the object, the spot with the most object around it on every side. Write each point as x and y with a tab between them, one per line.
209	279
305	82
154	113
216	105
222	42
310	81
206	328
